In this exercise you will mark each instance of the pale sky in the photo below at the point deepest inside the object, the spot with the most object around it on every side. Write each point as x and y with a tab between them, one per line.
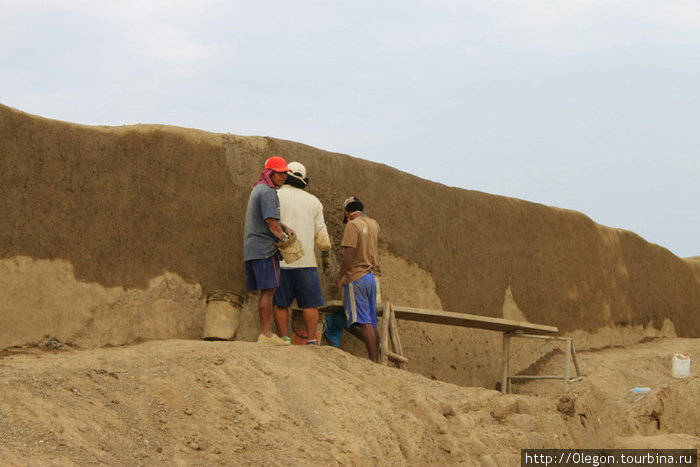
587	105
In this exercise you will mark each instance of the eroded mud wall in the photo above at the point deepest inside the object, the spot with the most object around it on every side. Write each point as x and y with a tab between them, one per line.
121	205
562	268
124	205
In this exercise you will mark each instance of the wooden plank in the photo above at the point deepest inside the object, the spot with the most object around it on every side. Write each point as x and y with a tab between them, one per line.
397	357
335	306
471	321
526	377
454	319
572	379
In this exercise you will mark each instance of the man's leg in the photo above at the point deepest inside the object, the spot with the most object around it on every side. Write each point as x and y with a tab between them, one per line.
265	311
356	331
281	315
311	321
371	340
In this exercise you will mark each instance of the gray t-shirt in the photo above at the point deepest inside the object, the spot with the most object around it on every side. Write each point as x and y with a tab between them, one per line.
258	240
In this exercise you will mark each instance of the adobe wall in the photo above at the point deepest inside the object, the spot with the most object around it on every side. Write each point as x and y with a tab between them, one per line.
140	222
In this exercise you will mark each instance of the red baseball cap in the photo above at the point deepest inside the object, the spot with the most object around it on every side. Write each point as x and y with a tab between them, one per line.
277	164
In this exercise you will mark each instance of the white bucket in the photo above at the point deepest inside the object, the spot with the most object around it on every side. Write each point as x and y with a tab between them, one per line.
681	365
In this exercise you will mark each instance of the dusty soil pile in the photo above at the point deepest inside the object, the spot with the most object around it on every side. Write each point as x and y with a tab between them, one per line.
186	402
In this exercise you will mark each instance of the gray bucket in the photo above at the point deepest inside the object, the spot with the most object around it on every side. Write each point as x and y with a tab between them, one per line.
222	315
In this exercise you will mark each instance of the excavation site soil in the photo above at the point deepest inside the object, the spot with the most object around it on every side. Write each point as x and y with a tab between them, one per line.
112	238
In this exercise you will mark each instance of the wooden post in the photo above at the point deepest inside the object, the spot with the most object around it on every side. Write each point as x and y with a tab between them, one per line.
505	370
395	339
384	337
397	358
573	356
567	365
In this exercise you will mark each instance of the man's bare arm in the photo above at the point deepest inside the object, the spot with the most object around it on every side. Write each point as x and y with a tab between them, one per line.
278	229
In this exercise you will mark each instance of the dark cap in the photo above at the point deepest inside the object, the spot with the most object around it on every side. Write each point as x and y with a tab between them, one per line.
349	202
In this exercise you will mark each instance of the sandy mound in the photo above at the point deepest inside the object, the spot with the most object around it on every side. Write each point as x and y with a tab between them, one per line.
178	402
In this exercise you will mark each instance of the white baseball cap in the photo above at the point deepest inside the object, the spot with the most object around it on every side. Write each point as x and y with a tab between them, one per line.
297	170
349	200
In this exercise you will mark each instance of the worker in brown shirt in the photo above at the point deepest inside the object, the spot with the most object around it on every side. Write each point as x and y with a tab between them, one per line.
355	274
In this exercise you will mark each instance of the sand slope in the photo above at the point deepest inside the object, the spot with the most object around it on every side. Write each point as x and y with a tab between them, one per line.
176	402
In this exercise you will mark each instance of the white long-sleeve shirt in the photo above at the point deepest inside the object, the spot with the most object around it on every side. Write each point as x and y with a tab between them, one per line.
303	213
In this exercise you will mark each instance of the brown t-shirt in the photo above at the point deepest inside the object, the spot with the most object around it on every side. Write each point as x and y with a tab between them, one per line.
361	233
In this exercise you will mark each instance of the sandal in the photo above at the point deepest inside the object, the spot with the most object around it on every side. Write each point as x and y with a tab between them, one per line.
274	340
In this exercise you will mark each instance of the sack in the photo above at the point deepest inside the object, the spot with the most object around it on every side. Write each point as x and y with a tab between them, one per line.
290	249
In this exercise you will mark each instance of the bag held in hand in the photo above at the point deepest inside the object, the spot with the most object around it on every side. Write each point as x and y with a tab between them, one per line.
290	249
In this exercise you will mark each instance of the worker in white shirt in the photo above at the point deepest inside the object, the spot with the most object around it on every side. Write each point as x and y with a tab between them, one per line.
303	213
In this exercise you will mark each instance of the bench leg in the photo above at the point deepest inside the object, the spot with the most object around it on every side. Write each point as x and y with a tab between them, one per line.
573	356
567	364
504	368
384	336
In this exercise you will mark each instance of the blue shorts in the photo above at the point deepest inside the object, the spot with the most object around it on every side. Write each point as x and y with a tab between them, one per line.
302	284
360	301
261	274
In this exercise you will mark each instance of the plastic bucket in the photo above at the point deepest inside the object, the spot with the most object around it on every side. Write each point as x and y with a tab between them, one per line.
299	334
222	315
681	365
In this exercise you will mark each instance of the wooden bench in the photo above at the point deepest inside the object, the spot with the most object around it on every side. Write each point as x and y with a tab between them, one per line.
390	343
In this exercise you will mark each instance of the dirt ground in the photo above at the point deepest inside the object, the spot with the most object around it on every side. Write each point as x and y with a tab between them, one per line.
191	402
